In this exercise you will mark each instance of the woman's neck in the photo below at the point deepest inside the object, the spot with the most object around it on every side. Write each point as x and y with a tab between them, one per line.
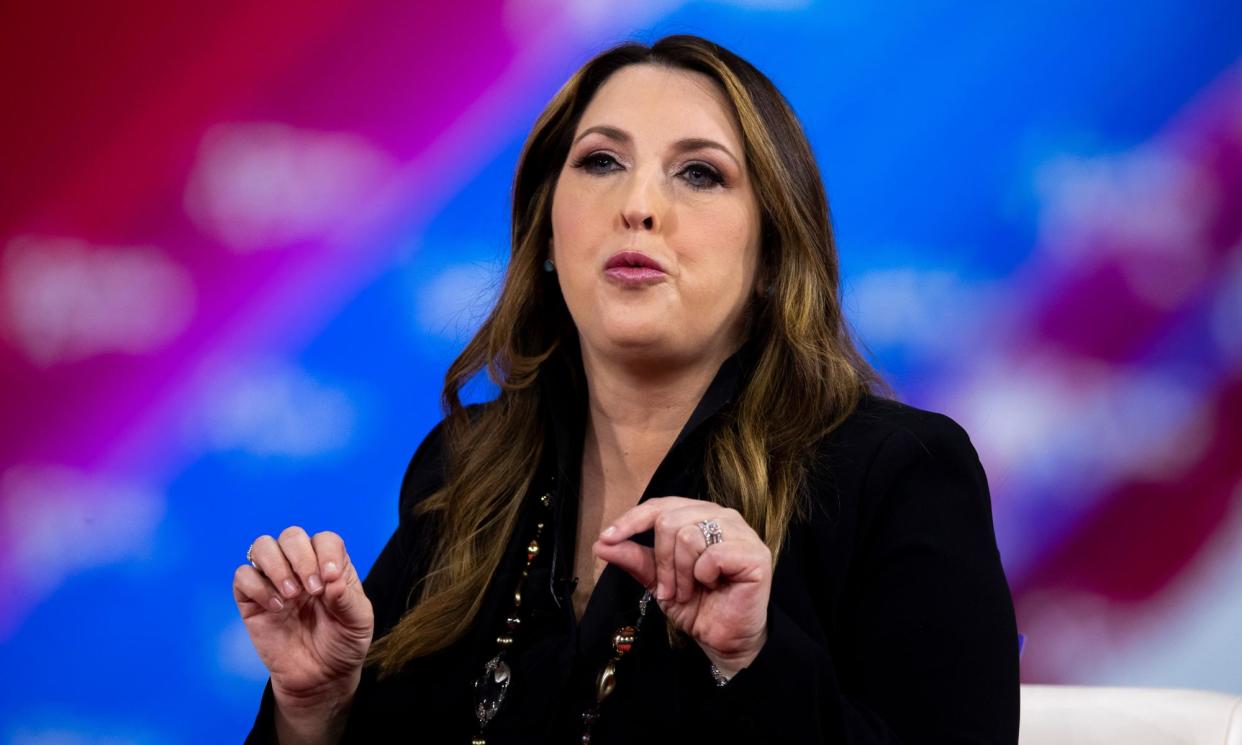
634	416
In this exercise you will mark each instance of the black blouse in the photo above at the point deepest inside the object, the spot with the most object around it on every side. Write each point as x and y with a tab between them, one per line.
890	619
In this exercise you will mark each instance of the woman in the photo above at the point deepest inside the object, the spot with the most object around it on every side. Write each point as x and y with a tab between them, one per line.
688	513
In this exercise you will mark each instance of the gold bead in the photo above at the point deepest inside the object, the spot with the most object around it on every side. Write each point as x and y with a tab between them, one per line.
505	640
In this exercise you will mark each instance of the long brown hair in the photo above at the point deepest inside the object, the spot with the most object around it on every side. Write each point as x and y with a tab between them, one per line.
807	377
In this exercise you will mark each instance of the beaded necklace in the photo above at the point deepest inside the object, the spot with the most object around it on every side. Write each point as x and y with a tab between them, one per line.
491	686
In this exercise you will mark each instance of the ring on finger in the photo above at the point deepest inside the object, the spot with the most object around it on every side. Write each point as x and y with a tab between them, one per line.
711	531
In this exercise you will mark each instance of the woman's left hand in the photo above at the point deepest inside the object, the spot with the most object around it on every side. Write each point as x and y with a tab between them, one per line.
718	594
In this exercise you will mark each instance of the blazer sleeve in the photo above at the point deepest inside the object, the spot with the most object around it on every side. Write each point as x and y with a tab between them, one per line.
932	618
392	576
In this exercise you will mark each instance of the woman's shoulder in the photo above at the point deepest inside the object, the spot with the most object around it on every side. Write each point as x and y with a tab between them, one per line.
882	435
907	472
877	420
425	472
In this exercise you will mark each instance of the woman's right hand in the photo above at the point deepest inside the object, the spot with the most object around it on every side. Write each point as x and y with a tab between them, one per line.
308	618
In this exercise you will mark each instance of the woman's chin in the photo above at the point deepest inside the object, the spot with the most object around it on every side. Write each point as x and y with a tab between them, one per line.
634	326
636	340
629	338
644	346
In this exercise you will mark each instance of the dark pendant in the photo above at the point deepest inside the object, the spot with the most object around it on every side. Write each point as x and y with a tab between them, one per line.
490	689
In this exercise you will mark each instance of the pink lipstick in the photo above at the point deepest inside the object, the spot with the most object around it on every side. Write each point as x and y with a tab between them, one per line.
633	269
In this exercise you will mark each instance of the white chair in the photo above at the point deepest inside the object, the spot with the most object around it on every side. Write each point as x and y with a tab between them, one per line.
1092	715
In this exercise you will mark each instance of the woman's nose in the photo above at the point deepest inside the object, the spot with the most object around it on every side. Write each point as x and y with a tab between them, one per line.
642	204
632	218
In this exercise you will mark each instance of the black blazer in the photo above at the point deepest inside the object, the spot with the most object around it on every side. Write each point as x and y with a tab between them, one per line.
890	619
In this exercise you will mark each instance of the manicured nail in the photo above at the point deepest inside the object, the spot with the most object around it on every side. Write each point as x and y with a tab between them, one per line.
330	568
275	604
314	583
289	588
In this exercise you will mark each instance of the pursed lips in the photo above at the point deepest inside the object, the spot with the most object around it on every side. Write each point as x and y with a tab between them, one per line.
633	269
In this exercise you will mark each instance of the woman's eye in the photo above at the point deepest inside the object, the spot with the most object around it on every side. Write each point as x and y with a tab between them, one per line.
702	177
594	163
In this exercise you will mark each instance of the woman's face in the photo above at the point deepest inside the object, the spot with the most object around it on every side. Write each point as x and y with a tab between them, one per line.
655	226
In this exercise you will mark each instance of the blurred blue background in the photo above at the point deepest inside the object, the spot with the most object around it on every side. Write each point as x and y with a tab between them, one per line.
243	242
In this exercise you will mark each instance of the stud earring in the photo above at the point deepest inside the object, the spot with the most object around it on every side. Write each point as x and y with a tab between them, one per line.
548	266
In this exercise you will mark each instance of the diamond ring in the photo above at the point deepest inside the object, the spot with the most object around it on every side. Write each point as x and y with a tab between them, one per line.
711	531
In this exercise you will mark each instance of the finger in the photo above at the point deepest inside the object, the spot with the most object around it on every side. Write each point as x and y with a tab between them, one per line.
733	562
330	553
666	526
688	545
301	555
669	525
637	560
270	560
642	517
346	599
253	592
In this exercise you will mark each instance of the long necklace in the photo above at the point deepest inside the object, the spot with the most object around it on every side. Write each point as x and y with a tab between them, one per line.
490	687
623	640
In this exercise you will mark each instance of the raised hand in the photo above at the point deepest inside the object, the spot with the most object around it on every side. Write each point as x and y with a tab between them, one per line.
307	616
716	593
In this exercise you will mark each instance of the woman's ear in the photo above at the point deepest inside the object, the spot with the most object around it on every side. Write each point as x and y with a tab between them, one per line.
549	263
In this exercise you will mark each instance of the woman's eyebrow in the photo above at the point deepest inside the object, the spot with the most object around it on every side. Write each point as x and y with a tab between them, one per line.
682	145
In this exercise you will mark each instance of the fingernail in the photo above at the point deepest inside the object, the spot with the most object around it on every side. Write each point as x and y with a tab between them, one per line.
330	568
609	530
660	591
314	583
289	588
276	604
